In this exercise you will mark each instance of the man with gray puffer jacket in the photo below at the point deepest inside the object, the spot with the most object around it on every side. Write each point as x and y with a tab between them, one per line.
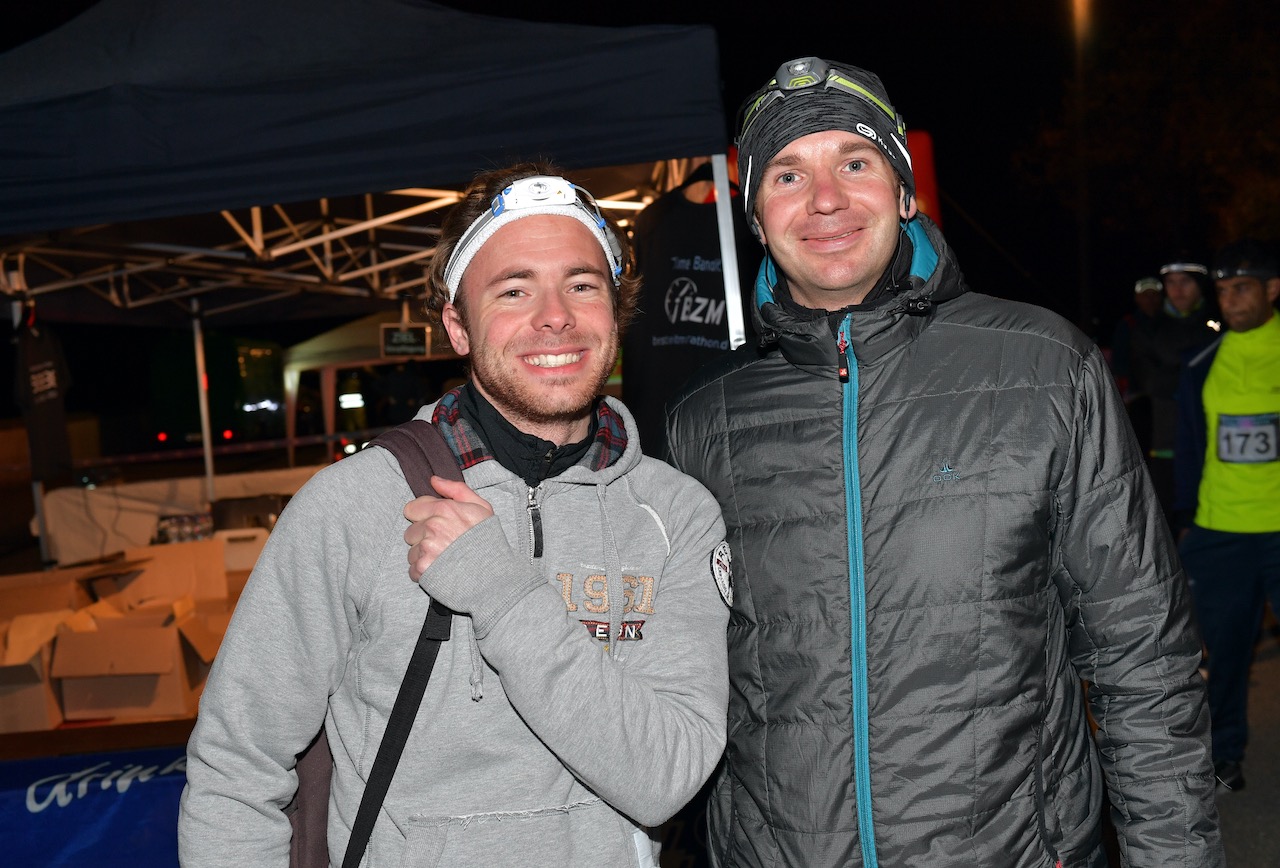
941	524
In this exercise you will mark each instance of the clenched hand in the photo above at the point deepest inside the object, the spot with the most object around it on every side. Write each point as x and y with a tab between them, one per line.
438	521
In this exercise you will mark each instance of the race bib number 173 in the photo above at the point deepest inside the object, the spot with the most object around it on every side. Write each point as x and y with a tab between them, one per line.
1248	439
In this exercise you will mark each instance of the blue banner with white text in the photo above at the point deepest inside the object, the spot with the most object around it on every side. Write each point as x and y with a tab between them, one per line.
103	810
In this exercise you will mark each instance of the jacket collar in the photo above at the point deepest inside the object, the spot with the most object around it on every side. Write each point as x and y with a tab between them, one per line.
614	450
808	341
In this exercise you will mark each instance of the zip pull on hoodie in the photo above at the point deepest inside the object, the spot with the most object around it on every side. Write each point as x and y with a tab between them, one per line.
533	460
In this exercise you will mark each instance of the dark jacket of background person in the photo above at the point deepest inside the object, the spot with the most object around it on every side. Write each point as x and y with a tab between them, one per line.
1121	359
966	521
1192	435
1156	356
682	322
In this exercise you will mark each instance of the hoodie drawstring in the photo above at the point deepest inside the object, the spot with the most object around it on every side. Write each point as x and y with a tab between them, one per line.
477	664
613	573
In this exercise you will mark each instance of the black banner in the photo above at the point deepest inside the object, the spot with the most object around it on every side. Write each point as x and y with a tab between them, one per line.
40	387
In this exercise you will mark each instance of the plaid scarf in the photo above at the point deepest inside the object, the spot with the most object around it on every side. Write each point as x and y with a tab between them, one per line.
465	441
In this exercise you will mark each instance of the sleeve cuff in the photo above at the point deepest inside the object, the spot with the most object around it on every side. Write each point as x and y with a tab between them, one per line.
480	575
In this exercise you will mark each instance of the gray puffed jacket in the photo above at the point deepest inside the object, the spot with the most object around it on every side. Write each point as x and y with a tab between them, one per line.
930	555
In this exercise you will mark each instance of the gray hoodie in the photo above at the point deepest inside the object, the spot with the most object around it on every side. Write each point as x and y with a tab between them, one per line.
538	741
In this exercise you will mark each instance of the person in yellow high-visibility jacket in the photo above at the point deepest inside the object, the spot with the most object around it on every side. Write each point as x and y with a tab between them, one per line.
1228	475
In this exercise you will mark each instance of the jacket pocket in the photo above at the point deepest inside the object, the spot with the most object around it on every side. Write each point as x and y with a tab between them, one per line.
585	834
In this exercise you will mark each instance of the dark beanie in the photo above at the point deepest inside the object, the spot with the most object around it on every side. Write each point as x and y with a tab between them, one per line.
1245	258
812	95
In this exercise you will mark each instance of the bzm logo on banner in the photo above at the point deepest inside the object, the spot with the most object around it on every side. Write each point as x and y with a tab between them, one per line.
684	304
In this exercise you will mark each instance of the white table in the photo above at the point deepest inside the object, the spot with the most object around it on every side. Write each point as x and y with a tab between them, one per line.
88	523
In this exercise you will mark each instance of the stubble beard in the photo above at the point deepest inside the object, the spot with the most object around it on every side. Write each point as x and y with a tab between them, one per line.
555	401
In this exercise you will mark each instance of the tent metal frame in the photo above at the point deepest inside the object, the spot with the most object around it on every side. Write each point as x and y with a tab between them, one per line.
323	251
278	252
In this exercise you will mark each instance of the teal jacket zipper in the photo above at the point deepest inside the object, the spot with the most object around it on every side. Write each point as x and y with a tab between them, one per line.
848	371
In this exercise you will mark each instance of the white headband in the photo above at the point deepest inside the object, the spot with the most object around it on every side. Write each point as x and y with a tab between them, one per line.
1191	267
540	194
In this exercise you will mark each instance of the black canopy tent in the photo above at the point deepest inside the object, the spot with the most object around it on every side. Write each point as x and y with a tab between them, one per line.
139	111
151	108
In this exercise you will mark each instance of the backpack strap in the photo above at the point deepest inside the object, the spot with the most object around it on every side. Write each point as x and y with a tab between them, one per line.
422	453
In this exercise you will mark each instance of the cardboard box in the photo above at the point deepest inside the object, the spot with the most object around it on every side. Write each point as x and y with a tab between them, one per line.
236	580
145	664
152	576
28	701
44	591
242	547
134	636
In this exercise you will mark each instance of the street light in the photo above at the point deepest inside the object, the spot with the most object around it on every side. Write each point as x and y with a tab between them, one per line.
1081	26
1080	17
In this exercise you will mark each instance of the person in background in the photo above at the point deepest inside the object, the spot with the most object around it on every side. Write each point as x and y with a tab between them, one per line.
1188	320
1228	475
1148	298
940	524
581	699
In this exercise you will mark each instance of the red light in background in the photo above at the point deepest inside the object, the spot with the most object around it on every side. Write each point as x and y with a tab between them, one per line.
227	435
922	167
162	437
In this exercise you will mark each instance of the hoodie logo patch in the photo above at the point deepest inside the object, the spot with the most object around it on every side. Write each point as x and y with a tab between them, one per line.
629	631
722	571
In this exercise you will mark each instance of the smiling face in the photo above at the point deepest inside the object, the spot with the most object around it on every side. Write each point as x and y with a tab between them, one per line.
828	209
1247	302
539	325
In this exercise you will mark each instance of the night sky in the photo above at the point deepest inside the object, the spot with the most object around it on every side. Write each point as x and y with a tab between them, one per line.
979	79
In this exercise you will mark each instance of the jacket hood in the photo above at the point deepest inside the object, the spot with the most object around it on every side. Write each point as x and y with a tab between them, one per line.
934	278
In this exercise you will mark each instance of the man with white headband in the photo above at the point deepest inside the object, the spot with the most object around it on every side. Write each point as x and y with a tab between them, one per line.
581	699
1188	320
940	525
